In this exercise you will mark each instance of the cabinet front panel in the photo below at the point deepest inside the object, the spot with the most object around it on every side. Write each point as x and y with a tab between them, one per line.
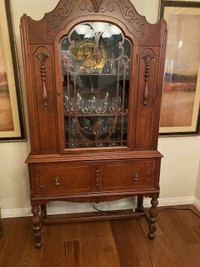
44	93
53	179
132	175
145	125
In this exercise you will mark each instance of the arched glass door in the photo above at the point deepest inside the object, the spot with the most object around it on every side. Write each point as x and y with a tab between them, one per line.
96	65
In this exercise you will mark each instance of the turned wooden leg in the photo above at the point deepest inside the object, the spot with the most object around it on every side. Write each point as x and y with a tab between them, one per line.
36	224
153	218
140	207
44	211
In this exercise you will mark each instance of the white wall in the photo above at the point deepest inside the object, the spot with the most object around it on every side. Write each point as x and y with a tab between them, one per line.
179	167
197	192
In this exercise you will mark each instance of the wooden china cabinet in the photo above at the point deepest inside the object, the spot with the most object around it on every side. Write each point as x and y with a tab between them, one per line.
94	73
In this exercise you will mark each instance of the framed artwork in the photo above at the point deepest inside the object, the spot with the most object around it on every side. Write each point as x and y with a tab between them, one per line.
181	88
11	109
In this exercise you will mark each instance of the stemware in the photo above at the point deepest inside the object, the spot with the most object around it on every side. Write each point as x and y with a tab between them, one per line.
85	108
106	101
66	102
72	104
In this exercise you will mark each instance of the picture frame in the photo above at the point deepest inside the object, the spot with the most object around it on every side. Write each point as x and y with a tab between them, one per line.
11	106
180	109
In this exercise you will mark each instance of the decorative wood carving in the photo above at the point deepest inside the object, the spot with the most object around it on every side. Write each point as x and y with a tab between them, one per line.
126	9
42	172
96	4
147	58
36	224
42	58
148	165
97	178
128	13
65	9
148	181
153	218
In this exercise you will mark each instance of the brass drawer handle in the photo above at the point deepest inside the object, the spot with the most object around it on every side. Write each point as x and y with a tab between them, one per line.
136	176
56	181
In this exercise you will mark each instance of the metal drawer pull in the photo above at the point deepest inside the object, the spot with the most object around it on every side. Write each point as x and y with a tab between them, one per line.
56	181
136	176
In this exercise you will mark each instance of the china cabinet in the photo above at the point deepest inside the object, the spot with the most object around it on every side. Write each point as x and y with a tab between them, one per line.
93	72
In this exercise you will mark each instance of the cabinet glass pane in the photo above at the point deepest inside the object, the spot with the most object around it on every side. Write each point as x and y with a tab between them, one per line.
96	78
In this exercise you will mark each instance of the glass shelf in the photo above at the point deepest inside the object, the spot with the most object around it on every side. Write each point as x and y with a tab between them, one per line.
100	74
90	115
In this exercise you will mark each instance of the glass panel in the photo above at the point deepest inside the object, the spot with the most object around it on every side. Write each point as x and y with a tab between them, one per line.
96	73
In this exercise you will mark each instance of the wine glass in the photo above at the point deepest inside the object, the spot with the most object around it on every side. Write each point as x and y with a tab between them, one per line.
66	102
92	104
106	101
119	103
85	108
72	104
100	108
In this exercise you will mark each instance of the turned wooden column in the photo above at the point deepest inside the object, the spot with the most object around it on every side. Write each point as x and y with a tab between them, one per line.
140	207
153	218
36	224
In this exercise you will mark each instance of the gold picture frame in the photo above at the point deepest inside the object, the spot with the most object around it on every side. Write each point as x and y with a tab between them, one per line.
180	114
11	107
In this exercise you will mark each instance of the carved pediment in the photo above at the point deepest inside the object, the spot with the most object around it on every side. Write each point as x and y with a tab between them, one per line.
69	10
96	4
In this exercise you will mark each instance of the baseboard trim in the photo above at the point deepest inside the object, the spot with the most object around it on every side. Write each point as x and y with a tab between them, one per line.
197	203
14	213
173	201
25	212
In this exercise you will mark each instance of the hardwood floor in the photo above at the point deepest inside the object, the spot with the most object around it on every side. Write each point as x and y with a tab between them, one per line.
105	244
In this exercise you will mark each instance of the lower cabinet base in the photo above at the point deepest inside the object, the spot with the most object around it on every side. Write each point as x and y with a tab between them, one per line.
38	219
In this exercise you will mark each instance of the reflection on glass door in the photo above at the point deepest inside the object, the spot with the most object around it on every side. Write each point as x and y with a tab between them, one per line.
96	78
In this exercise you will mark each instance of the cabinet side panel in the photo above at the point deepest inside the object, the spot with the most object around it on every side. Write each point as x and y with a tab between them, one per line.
43	66
148	59
31	105
159	87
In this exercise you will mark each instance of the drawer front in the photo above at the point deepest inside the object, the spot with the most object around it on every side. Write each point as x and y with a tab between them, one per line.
129	175
62	178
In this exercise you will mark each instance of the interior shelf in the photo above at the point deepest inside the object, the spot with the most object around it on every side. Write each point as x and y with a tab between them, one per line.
91	115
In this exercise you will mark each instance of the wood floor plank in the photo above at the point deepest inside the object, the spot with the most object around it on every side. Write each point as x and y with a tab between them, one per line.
72	256
171	230
182	229
146	263
30	256
189	218
161	249
95	240
196	230
121	243
69	231
124	243
15	248
52	253
109	261
195	253
9	228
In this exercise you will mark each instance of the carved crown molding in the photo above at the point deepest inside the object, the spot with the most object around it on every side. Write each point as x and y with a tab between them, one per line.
69	8
96	4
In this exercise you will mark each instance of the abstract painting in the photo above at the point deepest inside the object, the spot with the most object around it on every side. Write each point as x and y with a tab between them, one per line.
181	87
11	111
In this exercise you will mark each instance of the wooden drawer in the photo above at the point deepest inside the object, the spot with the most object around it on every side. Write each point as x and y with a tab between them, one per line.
129	175
62	178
